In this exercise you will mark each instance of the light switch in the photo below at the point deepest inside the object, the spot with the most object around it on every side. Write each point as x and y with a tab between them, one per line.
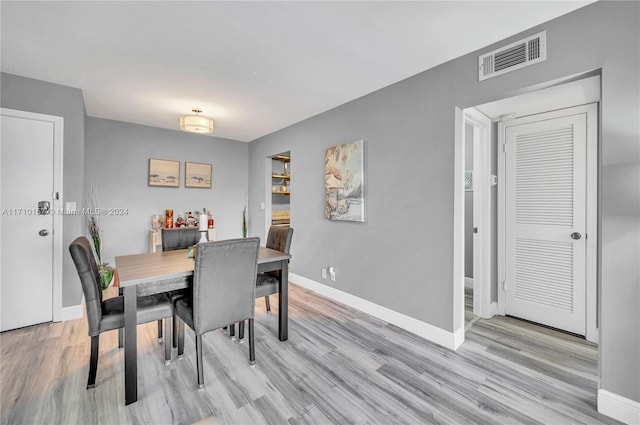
70	207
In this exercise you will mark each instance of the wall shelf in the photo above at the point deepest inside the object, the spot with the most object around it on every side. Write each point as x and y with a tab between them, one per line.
281	176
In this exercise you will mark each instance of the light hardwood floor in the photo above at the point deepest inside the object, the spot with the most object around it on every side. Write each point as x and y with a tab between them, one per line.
339	366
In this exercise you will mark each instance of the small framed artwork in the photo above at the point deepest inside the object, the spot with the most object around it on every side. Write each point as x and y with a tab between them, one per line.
197	175
163	172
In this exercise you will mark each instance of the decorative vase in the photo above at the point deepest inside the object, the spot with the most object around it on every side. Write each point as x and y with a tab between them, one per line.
106	275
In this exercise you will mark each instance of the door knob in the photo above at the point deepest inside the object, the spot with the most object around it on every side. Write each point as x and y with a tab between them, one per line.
43	232
576	235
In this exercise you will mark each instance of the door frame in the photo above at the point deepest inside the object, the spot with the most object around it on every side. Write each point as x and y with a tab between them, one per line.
482	182
591	233
56	196
267	198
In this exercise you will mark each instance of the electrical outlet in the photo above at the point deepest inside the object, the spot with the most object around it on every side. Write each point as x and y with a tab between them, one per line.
332	274
324	272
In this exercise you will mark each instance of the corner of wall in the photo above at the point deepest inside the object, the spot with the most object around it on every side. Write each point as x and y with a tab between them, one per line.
618	407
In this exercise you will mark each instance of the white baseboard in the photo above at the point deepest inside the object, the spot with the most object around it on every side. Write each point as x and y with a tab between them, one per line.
493	308
468	282
71	313
447	339
618	407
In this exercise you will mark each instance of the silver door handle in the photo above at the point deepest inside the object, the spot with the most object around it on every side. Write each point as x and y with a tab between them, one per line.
576	235
43	232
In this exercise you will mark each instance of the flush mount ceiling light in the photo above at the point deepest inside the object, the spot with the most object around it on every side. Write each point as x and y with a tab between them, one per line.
196	123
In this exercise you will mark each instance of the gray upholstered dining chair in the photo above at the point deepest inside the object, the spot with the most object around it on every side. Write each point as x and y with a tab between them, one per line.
173	239
105	315
179	238
278	238
224	286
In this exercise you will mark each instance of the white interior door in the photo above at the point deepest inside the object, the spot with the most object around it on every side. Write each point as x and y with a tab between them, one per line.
26	253
545	218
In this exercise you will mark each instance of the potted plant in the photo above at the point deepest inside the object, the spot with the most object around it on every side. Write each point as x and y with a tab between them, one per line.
106	271
244	222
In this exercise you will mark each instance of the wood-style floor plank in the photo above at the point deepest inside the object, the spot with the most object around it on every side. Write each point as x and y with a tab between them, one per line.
339	366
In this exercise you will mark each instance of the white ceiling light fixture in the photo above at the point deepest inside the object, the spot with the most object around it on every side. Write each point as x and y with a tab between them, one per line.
196	123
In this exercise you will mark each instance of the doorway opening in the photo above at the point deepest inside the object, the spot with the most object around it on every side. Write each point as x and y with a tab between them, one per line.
278	205
555	95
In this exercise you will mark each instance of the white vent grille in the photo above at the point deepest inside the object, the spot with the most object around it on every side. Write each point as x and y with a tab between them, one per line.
514	56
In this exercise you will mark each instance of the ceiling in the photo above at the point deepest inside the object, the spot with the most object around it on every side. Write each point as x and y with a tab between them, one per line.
254	67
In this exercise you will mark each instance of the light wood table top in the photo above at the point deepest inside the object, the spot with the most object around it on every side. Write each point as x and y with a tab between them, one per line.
144	268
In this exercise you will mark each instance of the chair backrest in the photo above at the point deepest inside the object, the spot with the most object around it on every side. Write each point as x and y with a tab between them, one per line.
224	283
179	238
279	238
89	274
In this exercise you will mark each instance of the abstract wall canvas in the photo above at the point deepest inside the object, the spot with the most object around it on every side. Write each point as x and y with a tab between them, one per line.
344	182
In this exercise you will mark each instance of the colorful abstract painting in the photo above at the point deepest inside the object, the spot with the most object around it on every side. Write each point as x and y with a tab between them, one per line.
344	182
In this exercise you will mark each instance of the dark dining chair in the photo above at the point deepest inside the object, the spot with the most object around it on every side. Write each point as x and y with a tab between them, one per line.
174	239
106	315
278	238
224	286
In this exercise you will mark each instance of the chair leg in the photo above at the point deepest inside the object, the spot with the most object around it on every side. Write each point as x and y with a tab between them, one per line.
174	340
268	304
93	362
180	337
167	340
159	331
232	330
252	350
241	331
199	362
120	330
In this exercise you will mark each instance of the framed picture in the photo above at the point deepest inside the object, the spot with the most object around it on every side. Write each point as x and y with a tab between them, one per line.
344	182
163	172
197	175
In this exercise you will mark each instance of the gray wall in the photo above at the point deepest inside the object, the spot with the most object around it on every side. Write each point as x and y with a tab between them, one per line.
117	157
402	257
468	204
26	94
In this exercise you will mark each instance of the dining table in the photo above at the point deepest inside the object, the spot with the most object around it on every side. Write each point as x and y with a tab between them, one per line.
159	272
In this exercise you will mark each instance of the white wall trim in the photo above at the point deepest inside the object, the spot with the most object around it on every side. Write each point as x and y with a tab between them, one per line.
451	340
493	309
482	210
618	407
458	224
267	196
71	313
468	282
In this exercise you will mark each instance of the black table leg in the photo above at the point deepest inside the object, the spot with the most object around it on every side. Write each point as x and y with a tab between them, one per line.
283	302
130	346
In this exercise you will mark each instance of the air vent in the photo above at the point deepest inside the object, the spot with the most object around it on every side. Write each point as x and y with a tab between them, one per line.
514	56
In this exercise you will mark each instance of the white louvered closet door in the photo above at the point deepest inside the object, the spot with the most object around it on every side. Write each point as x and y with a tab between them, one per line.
545	220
